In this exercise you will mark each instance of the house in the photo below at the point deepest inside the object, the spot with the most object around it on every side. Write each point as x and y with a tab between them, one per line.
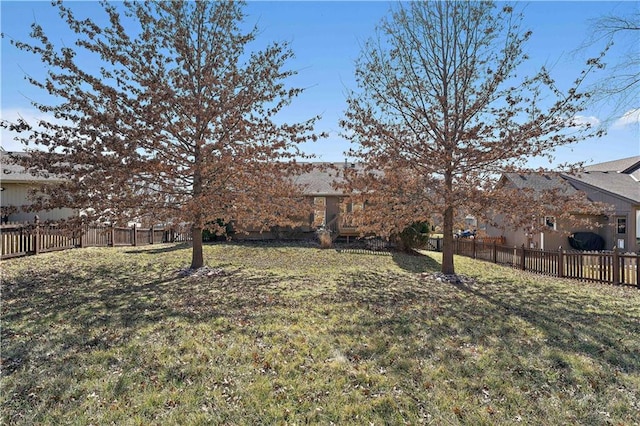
329	206
15	184
615	183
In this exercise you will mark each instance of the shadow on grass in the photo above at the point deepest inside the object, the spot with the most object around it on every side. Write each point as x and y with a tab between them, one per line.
566	322
486	313
497	338
70	313
284	243
415	262
165	249
448	345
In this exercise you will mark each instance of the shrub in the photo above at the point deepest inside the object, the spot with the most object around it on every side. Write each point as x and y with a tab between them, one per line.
414	236
217	231
324	236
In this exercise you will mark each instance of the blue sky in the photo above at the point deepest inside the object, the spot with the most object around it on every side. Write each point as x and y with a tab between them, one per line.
326	38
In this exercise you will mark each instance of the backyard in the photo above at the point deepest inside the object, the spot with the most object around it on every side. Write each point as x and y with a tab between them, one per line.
291	334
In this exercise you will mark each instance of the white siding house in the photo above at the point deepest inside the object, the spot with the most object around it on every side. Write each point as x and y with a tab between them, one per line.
15	185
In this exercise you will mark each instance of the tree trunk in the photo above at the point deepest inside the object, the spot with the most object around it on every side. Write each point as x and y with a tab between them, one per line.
197	260
447	243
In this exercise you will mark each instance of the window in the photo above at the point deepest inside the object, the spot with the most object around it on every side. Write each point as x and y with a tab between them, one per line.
621	225
354	207
550	221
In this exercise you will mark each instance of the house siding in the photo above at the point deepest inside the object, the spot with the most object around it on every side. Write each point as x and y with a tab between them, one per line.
17	195
621	209
617	191
552	240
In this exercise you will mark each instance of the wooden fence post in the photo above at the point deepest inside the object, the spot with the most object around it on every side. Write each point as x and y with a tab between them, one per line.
560	262
152	234
522	259
638	271
113	235
24	240
36	235
495	252
82	237
616	266
135	235
473	244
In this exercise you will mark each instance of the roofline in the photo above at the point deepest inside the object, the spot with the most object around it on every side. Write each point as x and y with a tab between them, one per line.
324	194
613	194
42	180
631	168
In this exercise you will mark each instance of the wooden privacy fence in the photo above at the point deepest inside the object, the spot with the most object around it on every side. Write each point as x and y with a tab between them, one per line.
608	267
24	240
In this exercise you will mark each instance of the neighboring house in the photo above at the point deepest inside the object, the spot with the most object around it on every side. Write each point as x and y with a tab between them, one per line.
616	183
331	207
15	184
328	207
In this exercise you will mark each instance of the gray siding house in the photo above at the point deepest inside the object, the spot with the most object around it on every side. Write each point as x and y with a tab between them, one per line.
616	183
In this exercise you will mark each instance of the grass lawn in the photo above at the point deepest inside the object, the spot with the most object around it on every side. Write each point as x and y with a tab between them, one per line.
296	335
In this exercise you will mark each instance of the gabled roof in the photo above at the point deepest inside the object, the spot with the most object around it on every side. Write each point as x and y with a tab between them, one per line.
617	184
539	181
320	179
624	165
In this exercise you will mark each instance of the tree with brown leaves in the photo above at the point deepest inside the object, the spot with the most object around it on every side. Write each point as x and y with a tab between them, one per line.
164	111
440	112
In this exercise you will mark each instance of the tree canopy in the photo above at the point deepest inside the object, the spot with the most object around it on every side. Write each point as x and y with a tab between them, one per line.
441	110
166	111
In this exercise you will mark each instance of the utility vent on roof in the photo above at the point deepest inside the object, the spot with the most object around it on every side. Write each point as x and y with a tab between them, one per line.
547	177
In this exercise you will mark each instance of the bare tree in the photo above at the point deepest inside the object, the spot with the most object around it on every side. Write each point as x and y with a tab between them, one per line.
441	111
620	84
166	111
